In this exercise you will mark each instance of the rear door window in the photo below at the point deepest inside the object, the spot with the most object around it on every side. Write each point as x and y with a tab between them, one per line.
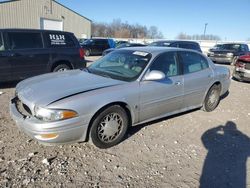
21	40
102	42
1	42
193	62
59	40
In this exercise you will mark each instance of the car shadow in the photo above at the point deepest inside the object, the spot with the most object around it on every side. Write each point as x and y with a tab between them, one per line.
225	163
7	85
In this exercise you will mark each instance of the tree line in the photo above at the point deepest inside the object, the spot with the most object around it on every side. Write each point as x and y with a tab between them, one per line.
119	29
184	36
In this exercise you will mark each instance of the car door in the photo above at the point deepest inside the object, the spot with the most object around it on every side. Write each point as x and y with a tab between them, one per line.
27	54
5	66
198	76
158	98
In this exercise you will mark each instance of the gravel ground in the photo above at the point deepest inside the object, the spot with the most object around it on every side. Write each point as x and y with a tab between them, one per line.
188	150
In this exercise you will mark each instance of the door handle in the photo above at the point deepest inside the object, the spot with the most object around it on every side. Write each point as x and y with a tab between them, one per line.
177	83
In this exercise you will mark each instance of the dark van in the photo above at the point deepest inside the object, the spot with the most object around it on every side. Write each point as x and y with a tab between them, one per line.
25	53
96	46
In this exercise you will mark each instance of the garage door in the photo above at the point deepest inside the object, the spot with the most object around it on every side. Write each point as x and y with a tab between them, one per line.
51	24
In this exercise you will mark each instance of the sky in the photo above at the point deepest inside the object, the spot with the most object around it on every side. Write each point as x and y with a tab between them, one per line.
229	19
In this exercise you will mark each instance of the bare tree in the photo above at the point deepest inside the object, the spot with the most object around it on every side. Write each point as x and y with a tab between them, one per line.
184	36
119	29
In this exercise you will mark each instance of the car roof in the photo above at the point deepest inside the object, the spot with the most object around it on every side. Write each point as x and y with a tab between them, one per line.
156	50
32	30
173	41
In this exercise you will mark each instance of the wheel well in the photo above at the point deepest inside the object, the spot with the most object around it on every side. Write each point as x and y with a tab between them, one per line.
60	63
121	104
218	84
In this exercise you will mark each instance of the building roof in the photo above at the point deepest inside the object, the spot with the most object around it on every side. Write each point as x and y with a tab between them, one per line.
11	1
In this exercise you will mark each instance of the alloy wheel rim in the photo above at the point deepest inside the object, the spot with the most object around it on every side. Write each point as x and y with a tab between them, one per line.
62	69
213	98
110	127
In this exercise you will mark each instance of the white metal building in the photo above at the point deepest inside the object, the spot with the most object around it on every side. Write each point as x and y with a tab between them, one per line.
43	14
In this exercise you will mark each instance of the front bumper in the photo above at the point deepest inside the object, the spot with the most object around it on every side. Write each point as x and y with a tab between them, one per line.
67	131
241	74
221	59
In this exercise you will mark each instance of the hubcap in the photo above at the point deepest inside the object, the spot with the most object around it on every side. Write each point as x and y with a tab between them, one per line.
110	127
62	69
213	98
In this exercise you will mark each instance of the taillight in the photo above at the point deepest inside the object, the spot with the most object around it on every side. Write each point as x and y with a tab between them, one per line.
81	52
240	64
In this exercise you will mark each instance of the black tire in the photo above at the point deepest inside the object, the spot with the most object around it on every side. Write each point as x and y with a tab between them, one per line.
212	98
61	68
101	134
87	52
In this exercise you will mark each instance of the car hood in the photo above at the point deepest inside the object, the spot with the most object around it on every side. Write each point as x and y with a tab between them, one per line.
45	89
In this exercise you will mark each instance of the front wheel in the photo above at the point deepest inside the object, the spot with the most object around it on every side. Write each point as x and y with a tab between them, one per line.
109	127
212	98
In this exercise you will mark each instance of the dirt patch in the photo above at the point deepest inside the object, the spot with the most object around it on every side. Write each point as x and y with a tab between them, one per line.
171	152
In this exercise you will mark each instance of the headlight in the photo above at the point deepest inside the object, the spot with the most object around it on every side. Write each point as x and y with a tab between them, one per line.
230	54
53	115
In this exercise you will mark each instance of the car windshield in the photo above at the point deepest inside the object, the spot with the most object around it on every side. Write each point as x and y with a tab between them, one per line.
125	65
88	41
123	45
234	47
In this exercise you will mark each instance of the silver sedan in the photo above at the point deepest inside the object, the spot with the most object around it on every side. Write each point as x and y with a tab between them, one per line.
124	88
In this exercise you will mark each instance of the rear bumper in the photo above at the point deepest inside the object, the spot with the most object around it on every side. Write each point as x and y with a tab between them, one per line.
241	74
67	131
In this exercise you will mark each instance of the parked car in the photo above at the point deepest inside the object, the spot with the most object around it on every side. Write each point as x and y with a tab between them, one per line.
25	53
122	89
97	46
228	53
178	44
119	42
242	68
123	45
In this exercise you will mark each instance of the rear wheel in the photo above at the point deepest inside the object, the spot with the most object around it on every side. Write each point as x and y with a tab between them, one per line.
61	68
109	127
87	52
212	98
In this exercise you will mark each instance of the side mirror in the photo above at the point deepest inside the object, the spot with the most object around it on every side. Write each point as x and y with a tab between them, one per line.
154	75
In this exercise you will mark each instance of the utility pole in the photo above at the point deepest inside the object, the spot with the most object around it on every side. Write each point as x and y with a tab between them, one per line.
205	29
